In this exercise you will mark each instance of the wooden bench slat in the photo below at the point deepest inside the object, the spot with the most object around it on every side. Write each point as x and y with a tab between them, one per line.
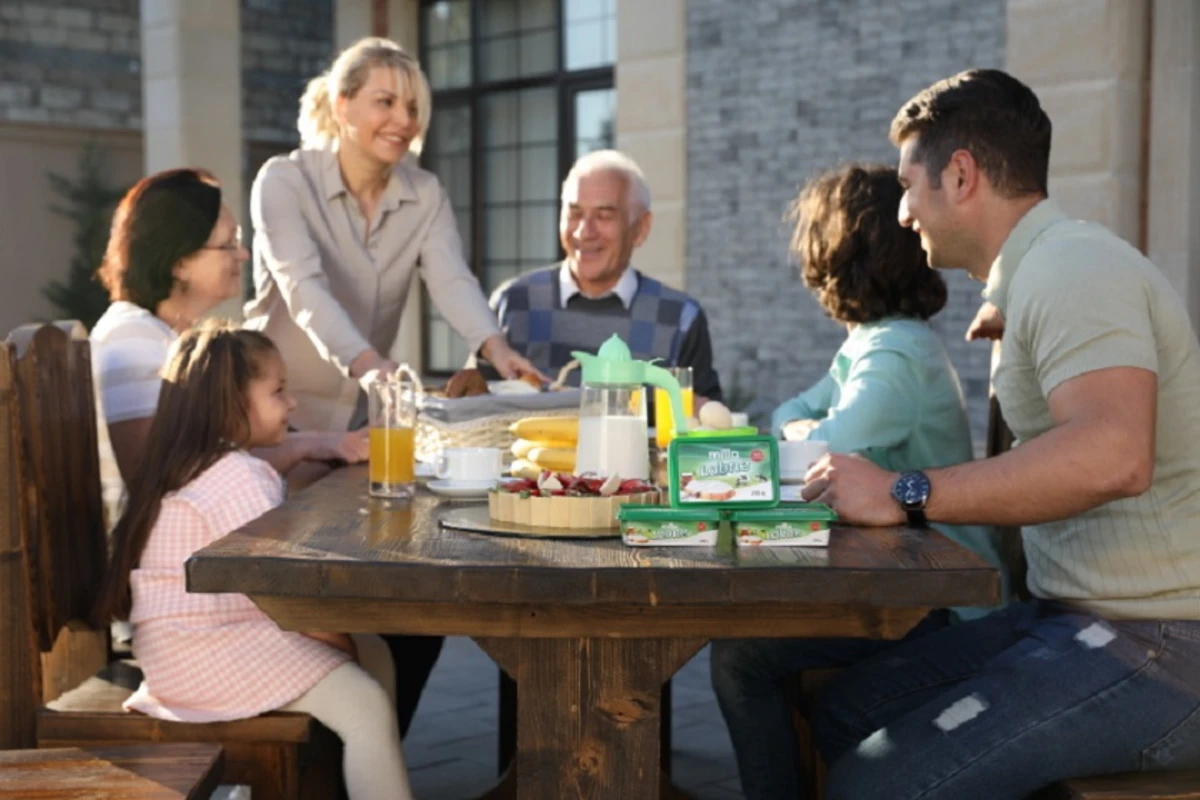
1178	785
139	772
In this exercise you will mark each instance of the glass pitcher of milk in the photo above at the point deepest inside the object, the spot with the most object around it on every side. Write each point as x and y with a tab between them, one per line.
613	432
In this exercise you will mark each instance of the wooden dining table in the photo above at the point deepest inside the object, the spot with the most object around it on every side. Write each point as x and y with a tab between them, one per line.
590	630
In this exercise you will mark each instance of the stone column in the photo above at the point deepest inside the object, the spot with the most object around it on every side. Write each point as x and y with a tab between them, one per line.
352	21
652	123
1173	240
191	93
1086	59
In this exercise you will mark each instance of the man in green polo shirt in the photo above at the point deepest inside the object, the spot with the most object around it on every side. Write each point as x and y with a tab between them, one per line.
1099	378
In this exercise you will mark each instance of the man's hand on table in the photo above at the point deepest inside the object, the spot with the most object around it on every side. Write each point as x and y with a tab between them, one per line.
859	491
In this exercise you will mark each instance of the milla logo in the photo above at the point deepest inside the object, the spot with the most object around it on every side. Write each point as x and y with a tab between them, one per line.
725	461
672	531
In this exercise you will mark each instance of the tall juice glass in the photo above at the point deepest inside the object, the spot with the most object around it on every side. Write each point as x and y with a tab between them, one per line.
664	425
393	418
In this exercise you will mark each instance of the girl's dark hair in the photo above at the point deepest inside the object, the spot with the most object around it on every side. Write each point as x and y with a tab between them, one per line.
854	255
163	219
203	413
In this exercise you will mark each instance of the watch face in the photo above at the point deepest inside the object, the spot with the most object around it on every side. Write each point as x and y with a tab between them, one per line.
912	489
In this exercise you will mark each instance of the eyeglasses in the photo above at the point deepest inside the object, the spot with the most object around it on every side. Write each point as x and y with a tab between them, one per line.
231	247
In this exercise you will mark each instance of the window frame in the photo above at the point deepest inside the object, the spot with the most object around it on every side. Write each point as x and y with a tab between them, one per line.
566	85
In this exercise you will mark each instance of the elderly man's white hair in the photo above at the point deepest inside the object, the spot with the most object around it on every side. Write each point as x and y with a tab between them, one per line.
638	196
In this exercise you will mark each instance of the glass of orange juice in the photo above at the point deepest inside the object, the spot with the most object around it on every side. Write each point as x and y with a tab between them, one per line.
664	425
392	406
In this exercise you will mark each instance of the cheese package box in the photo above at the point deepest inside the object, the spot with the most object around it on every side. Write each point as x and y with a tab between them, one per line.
788	525
734	469
652	526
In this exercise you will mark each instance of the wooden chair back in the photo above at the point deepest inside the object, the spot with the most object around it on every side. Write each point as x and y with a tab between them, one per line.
1000	440
52	538
59	473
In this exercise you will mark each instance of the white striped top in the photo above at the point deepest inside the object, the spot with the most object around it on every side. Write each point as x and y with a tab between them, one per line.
129	351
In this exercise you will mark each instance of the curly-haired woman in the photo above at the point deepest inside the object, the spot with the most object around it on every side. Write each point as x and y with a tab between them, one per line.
891	394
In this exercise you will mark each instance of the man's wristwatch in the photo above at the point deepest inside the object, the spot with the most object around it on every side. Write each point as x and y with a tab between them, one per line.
911	491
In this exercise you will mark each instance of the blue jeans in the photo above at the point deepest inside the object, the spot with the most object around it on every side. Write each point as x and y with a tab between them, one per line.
748	677
997	708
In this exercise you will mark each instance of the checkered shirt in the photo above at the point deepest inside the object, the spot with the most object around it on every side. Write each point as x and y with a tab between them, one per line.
210	657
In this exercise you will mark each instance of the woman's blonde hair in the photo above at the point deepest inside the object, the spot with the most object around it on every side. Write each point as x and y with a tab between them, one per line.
317	126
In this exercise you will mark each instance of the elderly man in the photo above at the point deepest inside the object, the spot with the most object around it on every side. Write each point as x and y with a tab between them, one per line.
595	292
1098	377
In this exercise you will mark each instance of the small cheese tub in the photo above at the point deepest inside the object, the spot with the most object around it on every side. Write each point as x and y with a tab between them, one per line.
792	525
655	526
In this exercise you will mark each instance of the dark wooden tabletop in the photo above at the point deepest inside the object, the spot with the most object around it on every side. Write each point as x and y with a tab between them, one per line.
333	541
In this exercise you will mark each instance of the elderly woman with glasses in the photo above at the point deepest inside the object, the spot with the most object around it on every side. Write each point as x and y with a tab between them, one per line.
173	255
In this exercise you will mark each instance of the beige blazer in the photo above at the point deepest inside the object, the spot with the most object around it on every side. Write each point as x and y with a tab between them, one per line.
326	290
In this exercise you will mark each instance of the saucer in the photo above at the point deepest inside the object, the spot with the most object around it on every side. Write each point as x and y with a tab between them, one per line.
461	489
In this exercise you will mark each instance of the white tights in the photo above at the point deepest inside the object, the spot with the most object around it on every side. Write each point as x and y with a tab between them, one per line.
358	703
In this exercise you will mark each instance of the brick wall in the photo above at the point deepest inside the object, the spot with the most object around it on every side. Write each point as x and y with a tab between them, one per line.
77	62
71	62
777	91
284	43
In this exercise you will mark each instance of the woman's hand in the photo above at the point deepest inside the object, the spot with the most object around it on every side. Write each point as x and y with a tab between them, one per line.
508	362
339	641
367	364
799	429
988	324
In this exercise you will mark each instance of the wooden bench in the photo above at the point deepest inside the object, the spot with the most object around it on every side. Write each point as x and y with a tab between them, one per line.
58	684
138	772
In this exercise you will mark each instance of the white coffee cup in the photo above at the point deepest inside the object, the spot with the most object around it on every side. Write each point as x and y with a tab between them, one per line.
797	456
469	464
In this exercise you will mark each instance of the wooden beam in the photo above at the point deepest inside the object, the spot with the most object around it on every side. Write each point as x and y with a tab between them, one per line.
379	18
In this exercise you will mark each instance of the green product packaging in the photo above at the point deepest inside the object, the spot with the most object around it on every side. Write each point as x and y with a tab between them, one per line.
723	471
652	526
788	525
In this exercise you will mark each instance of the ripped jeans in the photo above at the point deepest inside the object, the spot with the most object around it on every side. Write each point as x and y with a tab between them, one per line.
996	708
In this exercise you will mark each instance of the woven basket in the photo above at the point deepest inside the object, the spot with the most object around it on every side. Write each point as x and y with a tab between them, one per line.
484	429
490	431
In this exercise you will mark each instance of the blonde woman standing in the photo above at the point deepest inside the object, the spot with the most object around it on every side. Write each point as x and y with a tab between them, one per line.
342	226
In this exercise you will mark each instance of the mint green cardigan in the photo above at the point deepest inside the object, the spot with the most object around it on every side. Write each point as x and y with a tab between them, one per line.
892	395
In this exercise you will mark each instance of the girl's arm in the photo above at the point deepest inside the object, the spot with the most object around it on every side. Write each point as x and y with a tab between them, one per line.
351	447
810	404
878	407
341	641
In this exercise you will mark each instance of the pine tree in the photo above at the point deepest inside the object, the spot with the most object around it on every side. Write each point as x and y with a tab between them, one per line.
89	202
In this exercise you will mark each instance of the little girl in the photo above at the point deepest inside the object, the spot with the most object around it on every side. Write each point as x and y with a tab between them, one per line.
211	657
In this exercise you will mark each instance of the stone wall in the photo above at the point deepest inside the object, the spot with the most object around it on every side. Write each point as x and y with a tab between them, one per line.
777	91
78	62
71	62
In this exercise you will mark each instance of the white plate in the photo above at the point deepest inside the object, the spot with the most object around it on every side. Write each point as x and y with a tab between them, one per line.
461	489
511	387
791	492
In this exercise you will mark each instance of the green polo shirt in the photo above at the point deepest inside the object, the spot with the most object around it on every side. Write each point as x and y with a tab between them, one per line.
1077	298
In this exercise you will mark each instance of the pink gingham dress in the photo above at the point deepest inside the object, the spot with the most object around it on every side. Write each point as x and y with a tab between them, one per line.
211	657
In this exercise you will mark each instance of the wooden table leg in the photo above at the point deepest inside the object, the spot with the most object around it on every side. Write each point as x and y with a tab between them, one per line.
588	716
